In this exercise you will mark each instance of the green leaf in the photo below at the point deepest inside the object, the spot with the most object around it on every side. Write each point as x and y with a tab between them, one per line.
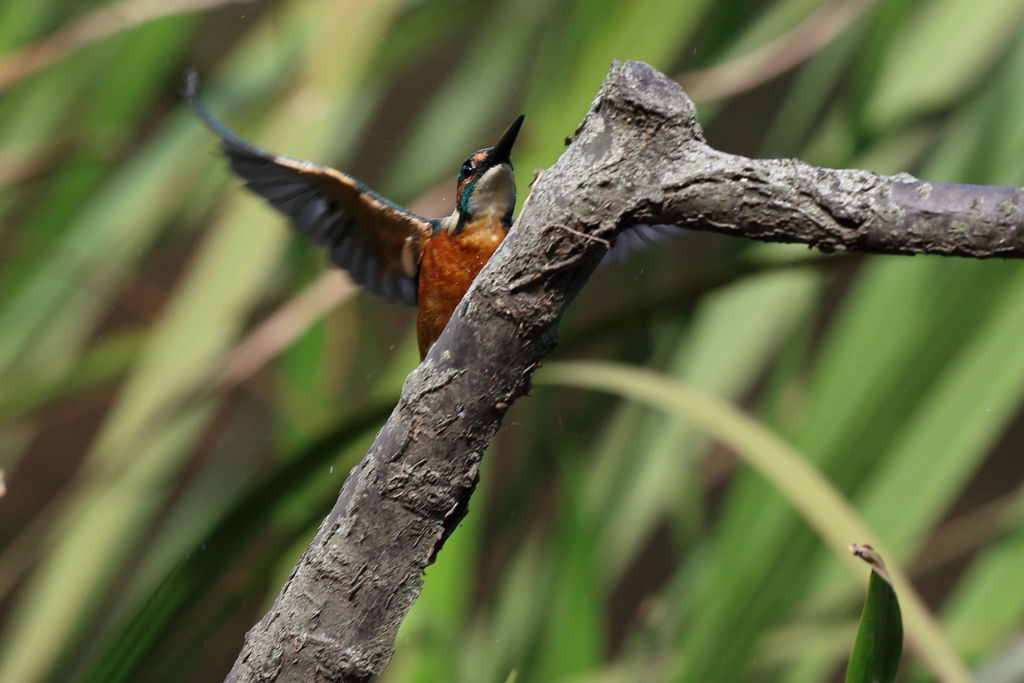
146	435
923	73
157	624
876	651
790	474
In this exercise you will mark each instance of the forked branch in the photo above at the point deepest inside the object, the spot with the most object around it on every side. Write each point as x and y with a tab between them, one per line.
638	157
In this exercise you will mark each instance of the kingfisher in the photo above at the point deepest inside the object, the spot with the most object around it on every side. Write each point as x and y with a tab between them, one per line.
392	252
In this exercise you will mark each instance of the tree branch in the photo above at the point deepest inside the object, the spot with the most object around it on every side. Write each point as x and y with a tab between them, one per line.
638	157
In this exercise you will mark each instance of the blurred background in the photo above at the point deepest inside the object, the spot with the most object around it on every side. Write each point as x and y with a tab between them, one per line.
184	385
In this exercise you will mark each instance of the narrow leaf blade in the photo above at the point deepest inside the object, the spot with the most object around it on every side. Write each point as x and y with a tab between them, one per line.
879	644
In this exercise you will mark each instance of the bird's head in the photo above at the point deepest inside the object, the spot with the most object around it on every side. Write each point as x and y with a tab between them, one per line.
486	184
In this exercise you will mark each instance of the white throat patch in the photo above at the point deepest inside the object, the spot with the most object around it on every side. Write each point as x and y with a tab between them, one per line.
494	192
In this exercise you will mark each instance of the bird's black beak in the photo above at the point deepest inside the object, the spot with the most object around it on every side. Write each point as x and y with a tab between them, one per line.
502	152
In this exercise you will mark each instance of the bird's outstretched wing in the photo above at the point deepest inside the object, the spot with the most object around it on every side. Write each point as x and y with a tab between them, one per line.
378	243
639	237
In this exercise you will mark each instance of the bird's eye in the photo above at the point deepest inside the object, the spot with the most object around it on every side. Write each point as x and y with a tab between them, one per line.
467	168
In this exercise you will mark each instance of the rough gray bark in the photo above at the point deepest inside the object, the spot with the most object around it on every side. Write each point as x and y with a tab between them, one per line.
638	157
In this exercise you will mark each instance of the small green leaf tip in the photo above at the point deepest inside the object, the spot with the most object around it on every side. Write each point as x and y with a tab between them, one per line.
879	644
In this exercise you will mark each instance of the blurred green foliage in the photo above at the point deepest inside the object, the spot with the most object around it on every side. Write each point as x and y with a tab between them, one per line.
151	513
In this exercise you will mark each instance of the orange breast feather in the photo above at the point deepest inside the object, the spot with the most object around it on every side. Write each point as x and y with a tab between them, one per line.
447	268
